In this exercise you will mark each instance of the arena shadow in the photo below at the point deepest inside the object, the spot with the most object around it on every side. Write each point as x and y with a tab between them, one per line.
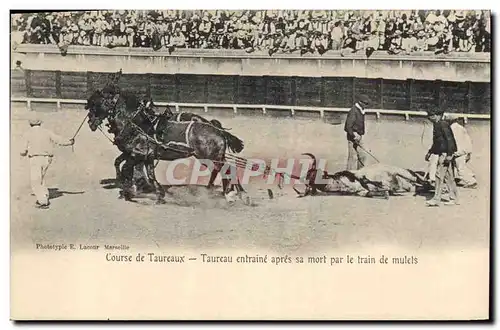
109	183
181	195
194	195
56	193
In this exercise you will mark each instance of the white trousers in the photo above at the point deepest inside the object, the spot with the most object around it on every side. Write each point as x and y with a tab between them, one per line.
38	168
463	171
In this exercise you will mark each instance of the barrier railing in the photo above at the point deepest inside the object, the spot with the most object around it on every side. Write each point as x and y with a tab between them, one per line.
232	53
455	67
264	107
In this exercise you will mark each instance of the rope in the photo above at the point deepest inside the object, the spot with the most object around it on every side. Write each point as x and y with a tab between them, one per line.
107	137
239	161
78	131
369	153
243	163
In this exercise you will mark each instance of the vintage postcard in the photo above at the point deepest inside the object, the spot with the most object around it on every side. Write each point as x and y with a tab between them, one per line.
250	164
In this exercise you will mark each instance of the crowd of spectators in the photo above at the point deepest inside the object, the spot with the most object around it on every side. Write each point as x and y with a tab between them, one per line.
274	31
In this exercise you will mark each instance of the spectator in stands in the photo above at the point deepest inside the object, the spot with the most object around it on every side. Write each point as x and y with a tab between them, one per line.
279	42
130	29
432	41
319	42
380	29
178	39
459	29
421	41
337	35
396	43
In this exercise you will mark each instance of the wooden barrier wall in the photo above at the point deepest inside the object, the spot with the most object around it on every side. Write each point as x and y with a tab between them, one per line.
419	95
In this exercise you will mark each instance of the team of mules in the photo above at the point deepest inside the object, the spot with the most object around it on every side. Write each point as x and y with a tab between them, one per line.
144	138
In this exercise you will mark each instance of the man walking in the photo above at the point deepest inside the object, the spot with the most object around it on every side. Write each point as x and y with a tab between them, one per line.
355	129
445	147
465	177
38	147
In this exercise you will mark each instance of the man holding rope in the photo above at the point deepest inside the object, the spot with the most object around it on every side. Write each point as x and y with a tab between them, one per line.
38	147
355	129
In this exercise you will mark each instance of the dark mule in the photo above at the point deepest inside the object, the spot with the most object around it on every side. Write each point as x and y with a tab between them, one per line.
144	141
151	110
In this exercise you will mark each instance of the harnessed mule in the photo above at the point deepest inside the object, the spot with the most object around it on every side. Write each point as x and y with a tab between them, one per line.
142	141
149	109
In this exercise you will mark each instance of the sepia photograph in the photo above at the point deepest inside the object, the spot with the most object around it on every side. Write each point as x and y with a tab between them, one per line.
252	164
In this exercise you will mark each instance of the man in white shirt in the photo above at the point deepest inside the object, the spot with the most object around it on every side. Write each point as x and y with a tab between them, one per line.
337	35
464	174
38	146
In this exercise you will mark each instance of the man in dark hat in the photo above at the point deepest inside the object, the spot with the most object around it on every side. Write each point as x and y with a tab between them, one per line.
355	129
443	146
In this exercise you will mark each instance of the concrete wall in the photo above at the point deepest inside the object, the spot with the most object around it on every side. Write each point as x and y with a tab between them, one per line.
452	67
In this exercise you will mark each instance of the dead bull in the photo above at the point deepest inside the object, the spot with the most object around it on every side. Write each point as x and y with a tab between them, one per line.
370	181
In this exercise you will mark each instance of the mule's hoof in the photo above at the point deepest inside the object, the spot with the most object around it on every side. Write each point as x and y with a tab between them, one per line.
270	194
160	202
127	196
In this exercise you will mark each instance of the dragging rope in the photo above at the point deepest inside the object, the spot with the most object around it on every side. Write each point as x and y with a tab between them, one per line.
369	153
78	131
107	137
238	161
243	163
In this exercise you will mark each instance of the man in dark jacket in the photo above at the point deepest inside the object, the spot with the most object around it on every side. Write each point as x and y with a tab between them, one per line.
444	146
355	129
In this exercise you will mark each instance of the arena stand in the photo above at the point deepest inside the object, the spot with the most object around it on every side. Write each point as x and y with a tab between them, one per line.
275	31
68	41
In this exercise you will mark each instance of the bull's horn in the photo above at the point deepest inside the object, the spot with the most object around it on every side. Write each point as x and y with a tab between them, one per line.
313	158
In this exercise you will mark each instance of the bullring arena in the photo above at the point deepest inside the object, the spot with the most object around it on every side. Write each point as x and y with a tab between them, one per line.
83	210
46	78
272	256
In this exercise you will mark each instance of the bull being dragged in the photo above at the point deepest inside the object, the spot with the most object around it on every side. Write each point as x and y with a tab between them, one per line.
370	181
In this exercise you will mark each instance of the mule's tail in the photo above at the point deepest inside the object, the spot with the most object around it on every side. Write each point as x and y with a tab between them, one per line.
233	143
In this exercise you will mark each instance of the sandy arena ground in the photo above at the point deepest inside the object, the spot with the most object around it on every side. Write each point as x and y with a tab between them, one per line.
84	211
